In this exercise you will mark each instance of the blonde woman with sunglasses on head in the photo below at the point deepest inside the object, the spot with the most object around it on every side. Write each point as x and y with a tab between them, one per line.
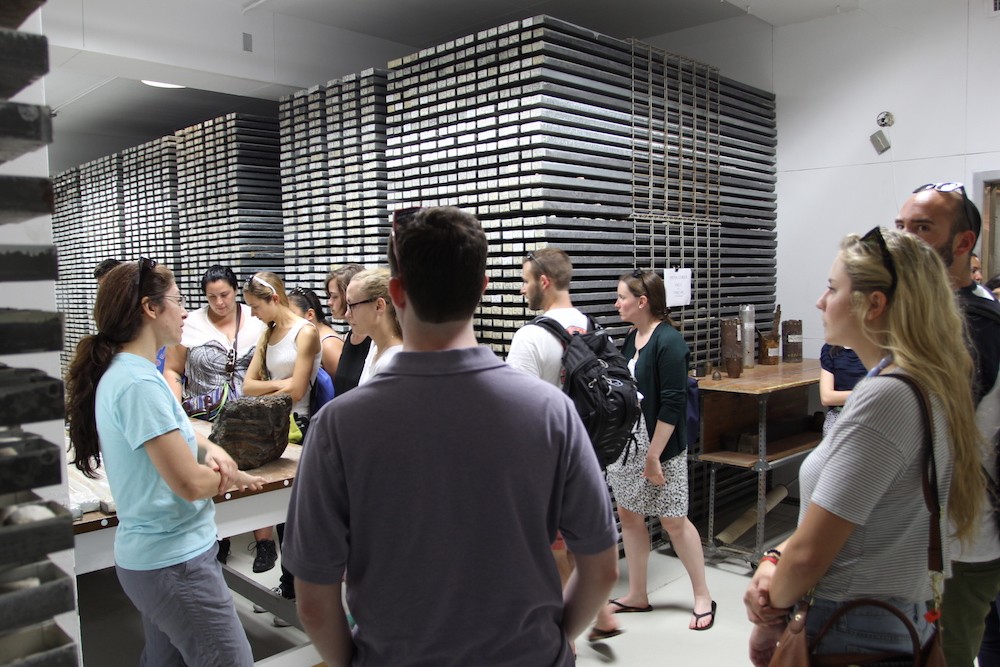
863	524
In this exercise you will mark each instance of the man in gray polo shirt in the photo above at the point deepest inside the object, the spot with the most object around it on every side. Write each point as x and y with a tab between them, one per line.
439	486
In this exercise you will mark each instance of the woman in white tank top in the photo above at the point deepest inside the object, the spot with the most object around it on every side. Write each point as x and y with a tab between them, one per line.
288	354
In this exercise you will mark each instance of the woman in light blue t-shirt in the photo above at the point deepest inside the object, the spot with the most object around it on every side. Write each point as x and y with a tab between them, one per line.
123	415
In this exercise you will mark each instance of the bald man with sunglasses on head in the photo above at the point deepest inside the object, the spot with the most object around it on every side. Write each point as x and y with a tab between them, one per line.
946	219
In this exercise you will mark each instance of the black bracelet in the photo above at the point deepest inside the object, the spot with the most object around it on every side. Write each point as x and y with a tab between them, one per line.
773	552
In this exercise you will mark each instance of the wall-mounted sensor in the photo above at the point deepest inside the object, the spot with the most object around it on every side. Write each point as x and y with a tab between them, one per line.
880	142
885	119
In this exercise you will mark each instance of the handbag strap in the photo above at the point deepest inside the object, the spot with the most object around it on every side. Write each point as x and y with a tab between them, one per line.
935	554
236	341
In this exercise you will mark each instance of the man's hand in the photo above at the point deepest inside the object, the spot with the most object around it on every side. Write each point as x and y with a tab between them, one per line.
763	641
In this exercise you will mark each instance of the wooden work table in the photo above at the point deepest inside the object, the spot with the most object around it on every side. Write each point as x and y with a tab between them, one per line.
746	404
236	512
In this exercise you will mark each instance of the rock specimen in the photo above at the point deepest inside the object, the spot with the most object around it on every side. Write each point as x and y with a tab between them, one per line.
253	429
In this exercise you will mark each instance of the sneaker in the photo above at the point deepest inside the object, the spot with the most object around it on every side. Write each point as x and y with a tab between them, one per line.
223	555
257	609
267	555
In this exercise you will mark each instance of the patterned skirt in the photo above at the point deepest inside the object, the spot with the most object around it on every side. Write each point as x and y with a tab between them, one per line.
634	492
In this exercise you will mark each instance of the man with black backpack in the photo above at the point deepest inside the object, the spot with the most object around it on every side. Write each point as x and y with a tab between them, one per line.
546	275
943	216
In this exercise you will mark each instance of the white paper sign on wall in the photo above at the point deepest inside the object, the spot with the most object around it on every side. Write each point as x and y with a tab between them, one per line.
678	282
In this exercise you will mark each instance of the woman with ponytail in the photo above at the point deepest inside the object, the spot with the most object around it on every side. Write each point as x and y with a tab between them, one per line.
124	416
652	478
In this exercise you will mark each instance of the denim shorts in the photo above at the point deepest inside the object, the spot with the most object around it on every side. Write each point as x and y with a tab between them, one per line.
868	629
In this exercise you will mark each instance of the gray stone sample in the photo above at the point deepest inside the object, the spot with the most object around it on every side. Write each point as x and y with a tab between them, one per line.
24	57
21	263
14	12
29	395
254	429
23	128
24	331
33	593
27	461
43	645
31	542
24	198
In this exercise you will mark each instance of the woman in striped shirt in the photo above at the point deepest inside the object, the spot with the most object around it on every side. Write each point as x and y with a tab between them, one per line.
863	528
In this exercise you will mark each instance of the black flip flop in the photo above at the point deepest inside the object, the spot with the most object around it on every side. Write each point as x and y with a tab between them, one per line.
698	617
599	634
627	609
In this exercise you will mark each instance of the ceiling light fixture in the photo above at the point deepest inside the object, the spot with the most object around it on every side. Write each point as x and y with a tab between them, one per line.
160	84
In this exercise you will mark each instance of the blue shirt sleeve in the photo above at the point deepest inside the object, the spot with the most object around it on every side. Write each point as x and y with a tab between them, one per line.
146	409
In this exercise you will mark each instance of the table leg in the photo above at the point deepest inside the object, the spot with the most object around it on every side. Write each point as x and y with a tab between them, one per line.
762	468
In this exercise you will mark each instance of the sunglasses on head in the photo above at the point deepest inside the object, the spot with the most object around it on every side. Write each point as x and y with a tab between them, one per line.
542	270
967	206
145	266
874	238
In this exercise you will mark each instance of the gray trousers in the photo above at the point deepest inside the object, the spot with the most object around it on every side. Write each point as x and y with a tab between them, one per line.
188	615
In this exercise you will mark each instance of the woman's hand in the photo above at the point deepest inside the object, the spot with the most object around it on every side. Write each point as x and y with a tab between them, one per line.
220	461
763	641
654	471
247	482
758	597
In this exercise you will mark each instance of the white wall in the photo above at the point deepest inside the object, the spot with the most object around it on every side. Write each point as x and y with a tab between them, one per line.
932	64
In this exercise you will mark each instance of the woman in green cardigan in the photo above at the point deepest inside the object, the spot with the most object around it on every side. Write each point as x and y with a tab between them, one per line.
652	479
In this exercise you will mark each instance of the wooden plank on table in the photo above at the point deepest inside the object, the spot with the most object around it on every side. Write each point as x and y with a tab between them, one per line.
766	379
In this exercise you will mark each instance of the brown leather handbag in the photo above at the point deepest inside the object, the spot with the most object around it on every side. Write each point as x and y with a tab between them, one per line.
794	649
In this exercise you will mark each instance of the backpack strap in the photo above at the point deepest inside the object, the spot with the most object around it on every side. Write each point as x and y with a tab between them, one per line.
559	331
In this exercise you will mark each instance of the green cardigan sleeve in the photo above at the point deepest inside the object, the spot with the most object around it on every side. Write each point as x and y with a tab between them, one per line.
661	373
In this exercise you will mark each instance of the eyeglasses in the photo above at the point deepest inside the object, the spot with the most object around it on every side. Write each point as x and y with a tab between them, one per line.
875	237
361	303
971	215
542	270
179	299
145	266
400	218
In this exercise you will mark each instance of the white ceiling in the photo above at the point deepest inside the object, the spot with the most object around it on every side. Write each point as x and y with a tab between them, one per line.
97	115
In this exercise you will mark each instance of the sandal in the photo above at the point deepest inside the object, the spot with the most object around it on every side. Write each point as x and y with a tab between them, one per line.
698	617
628	609
599	634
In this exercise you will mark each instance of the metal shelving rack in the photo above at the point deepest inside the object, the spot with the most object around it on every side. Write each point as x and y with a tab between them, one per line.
33	590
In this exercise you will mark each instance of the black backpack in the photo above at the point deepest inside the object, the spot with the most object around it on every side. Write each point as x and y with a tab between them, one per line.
597	379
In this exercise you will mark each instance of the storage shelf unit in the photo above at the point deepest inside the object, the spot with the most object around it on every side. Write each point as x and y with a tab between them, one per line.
32	589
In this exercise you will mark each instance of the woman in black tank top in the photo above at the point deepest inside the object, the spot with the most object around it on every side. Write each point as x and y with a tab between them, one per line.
352	358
